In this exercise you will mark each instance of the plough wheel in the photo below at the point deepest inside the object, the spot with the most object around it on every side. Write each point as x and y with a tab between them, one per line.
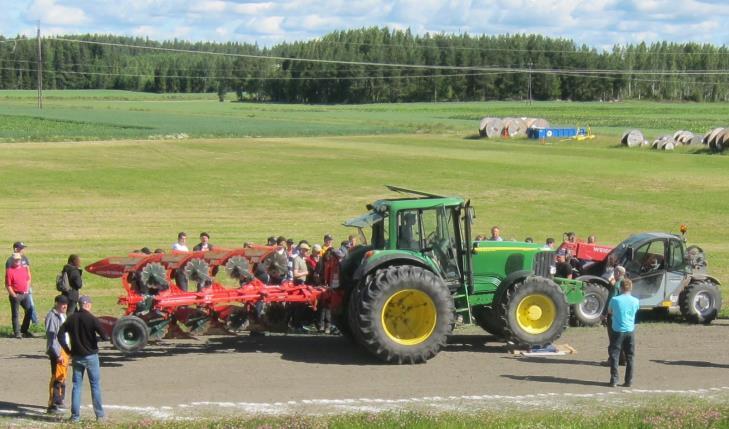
130	334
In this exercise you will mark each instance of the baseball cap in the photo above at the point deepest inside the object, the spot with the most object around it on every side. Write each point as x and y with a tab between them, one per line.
61	299
621	269
19	245
304	246
85	299
328	237
290	241
316	248
17	256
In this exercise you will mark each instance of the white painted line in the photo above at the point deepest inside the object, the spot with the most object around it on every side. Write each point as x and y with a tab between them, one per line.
365	404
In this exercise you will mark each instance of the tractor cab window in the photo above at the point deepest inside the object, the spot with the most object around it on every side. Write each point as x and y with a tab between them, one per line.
430	230
648	258
677	259
408	230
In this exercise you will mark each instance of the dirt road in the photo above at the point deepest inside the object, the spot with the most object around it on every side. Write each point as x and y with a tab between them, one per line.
277	374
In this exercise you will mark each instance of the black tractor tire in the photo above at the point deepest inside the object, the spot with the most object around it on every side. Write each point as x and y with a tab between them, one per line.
537	301
403	314
490	320
130	334
700	302
589	312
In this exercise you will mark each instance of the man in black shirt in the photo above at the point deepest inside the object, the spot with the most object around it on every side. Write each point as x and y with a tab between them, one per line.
82	328
75	282
564	268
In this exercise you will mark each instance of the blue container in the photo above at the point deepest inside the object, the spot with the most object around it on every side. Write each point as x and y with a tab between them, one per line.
546	133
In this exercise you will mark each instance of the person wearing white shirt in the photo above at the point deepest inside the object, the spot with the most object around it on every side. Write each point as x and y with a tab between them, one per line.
181	245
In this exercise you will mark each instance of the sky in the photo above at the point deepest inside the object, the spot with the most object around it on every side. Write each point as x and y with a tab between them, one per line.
596	23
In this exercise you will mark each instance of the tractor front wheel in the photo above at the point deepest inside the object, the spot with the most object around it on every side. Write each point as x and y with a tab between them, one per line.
535	312
130	334
403	314
700	302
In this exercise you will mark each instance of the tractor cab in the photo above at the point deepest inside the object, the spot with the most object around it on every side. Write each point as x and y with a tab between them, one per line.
427	229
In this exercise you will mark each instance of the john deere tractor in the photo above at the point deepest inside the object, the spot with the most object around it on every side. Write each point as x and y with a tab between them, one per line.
420	273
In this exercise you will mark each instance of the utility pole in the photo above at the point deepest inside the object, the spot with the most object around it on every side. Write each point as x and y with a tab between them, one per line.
39	72
530	81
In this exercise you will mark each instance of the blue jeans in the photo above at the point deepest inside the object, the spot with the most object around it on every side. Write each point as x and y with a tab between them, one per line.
622	341
88	363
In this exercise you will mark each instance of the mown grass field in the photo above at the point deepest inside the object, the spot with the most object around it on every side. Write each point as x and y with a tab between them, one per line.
83	176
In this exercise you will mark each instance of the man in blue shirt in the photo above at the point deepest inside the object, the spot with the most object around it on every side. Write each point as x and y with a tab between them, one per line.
623	309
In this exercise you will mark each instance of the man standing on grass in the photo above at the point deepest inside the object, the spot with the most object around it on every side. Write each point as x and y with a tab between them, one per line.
82	328
59	358
181	244
204	243
17	282
623	309
19	247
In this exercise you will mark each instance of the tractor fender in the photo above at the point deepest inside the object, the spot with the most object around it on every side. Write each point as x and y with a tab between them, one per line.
594	279
397	259
692	277
512	278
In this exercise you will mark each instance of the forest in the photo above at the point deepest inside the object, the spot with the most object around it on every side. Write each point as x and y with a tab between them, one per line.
374	65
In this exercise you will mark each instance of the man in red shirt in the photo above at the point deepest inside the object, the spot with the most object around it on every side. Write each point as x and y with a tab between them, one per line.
17	282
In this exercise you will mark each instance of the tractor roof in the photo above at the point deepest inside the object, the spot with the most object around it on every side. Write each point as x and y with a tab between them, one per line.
415	199
647	236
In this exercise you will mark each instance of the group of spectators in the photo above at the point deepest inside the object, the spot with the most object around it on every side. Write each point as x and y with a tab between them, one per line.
71	330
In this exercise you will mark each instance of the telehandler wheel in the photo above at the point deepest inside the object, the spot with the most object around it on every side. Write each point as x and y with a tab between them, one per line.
535	312
589	311
404	314
489	319
700	302
130	334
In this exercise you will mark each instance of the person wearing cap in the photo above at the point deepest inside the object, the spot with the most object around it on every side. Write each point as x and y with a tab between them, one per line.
563	267
58	357
204	243
314	265
83	328
19	247
299	268
328	241
73	272
17	282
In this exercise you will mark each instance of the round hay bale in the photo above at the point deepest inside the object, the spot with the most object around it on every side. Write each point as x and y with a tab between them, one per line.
677	134
683	137
721	140
516	128
695	140
540	123
669	145
660	141
493	128
713	134
632	138
482	125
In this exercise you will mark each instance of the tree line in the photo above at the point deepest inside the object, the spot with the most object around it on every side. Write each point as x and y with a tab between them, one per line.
504	67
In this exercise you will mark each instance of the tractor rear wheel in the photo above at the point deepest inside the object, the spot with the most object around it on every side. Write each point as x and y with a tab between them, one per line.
700	302
535	312
130	334
589	311
403	314
489	319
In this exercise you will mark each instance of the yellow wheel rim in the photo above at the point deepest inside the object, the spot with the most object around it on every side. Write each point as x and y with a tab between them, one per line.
409	316
535	314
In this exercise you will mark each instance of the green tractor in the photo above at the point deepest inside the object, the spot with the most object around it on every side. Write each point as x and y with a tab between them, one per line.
421	273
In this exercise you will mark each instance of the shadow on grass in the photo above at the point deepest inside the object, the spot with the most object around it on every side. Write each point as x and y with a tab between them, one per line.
473	137
550	379
694	363
31	412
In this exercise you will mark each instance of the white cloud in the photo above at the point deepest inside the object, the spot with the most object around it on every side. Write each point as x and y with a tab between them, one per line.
48	12
599	23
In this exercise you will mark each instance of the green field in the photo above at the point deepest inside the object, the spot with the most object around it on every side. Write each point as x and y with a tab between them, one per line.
302	170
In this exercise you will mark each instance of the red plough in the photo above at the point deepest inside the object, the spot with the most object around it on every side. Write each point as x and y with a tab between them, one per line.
156	300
